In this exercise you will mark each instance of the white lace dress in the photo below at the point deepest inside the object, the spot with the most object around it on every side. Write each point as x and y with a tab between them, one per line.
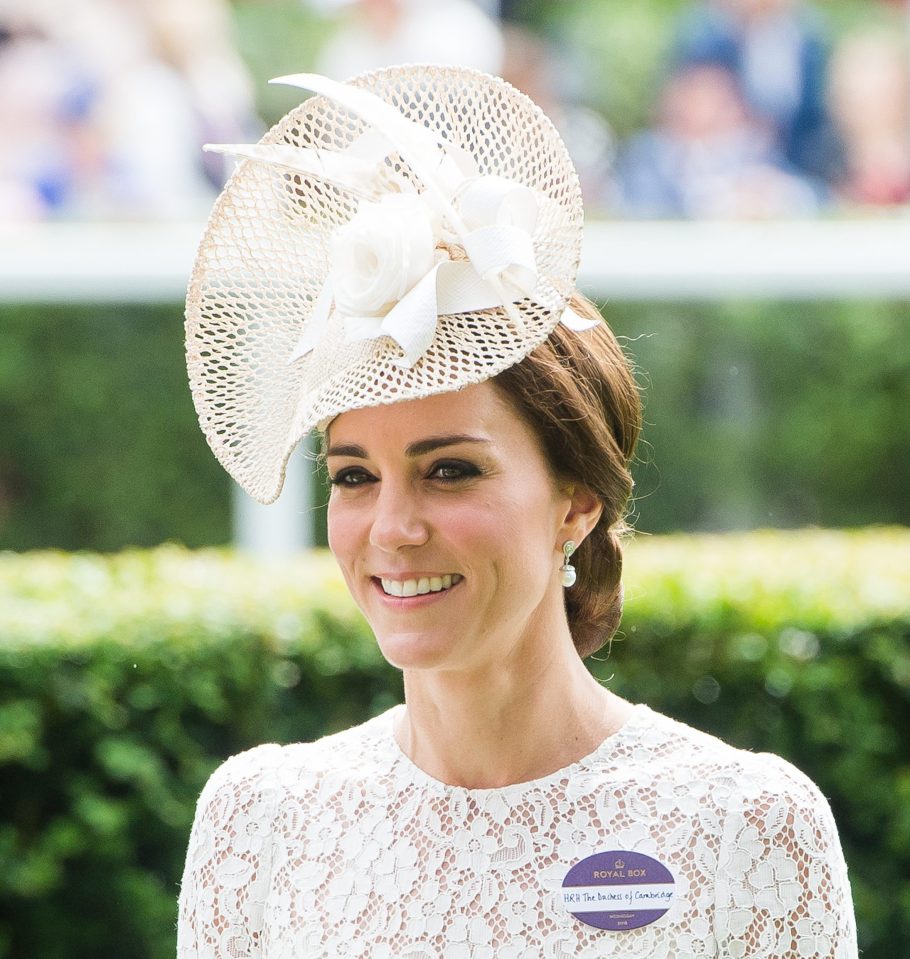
344	848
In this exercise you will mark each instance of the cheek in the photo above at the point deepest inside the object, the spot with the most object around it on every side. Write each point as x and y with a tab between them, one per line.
471	529
505	533
343	533
484	529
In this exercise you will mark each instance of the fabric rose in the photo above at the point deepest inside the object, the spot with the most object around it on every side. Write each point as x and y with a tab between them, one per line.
500	216
494	200
379	256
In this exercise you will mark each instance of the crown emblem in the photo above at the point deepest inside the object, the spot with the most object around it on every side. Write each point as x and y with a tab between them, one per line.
619	864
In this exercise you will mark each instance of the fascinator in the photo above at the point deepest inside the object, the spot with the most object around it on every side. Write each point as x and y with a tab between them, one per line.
407	233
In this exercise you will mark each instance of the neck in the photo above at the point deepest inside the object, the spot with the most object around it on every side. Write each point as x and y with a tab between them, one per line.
504	724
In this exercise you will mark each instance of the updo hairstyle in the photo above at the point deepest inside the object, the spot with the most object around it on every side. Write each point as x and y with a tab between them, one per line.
578	394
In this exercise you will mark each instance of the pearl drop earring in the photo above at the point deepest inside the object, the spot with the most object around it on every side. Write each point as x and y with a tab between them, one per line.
567	569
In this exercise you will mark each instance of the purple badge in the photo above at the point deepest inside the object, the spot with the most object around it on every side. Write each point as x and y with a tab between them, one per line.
618	890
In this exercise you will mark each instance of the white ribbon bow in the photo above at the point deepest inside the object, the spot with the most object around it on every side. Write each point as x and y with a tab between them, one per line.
491	217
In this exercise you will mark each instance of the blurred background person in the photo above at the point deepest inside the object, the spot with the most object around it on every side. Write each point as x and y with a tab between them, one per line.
707	156
196	39
49	149
869	95
776	50
376	33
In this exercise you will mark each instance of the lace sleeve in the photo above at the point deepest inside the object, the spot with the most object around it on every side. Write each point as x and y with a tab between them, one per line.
228	862
782	887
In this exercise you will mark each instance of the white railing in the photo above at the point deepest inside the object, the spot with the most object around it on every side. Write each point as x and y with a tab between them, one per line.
837	259
808	259
136	263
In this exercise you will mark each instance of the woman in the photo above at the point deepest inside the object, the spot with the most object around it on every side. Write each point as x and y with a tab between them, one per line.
395	265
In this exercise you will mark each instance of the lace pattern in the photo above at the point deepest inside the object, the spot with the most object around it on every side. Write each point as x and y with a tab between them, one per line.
344	848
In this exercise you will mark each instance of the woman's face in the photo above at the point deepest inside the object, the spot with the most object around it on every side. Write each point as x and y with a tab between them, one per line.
448	527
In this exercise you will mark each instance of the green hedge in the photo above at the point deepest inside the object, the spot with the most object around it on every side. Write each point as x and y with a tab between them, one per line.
771	414
99	443
124	679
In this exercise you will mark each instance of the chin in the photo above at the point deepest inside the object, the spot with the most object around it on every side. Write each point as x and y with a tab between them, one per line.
415	650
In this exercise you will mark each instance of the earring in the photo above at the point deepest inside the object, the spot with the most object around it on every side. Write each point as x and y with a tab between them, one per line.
567	569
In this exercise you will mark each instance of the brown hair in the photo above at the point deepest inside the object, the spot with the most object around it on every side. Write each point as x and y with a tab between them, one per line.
578	394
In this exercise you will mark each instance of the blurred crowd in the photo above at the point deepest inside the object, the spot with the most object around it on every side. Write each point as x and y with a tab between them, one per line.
757	118
104	104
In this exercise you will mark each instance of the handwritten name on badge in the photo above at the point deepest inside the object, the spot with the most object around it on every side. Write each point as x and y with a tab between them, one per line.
618	890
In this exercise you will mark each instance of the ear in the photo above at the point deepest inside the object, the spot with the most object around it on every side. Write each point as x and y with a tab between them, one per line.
583	513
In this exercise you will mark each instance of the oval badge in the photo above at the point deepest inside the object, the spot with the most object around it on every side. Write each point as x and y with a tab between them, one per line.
618	890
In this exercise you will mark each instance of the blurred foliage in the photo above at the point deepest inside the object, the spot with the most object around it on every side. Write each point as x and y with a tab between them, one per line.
771	414
758	414
275	39
125	679
99	444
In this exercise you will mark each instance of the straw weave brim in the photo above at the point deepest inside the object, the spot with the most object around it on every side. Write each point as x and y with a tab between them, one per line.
264	259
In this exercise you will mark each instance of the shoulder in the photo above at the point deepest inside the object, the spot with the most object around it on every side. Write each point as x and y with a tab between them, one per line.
776	862
271	771
677	750
727	788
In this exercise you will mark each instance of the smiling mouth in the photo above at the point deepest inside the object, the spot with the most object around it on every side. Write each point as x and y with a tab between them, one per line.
421	586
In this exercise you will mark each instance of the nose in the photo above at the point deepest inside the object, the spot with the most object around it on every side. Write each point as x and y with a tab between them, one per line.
397	518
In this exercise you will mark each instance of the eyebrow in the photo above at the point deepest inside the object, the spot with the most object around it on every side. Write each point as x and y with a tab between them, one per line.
417	448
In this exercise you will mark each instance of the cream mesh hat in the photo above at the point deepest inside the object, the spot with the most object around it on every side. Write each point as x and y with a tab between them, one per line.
407	233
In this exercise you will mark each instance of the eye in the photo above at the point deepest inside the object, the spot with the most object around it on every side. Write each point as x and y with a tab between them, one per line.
451	471
353	476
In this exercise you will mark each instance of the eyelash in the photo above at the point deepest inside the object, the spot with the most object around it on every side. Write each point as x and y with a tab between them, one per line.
343	478
462	469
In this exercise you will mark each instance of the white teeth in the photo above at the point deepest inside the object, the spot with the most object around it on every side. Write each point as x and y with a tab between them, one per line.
418	587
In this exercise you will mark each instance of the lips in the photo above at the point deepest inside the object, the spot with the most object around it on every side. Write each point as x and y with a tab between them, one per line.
419	586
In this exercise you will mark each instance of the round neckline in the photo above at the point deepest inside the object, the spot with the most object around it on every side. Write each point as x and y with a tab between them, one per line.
607	745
